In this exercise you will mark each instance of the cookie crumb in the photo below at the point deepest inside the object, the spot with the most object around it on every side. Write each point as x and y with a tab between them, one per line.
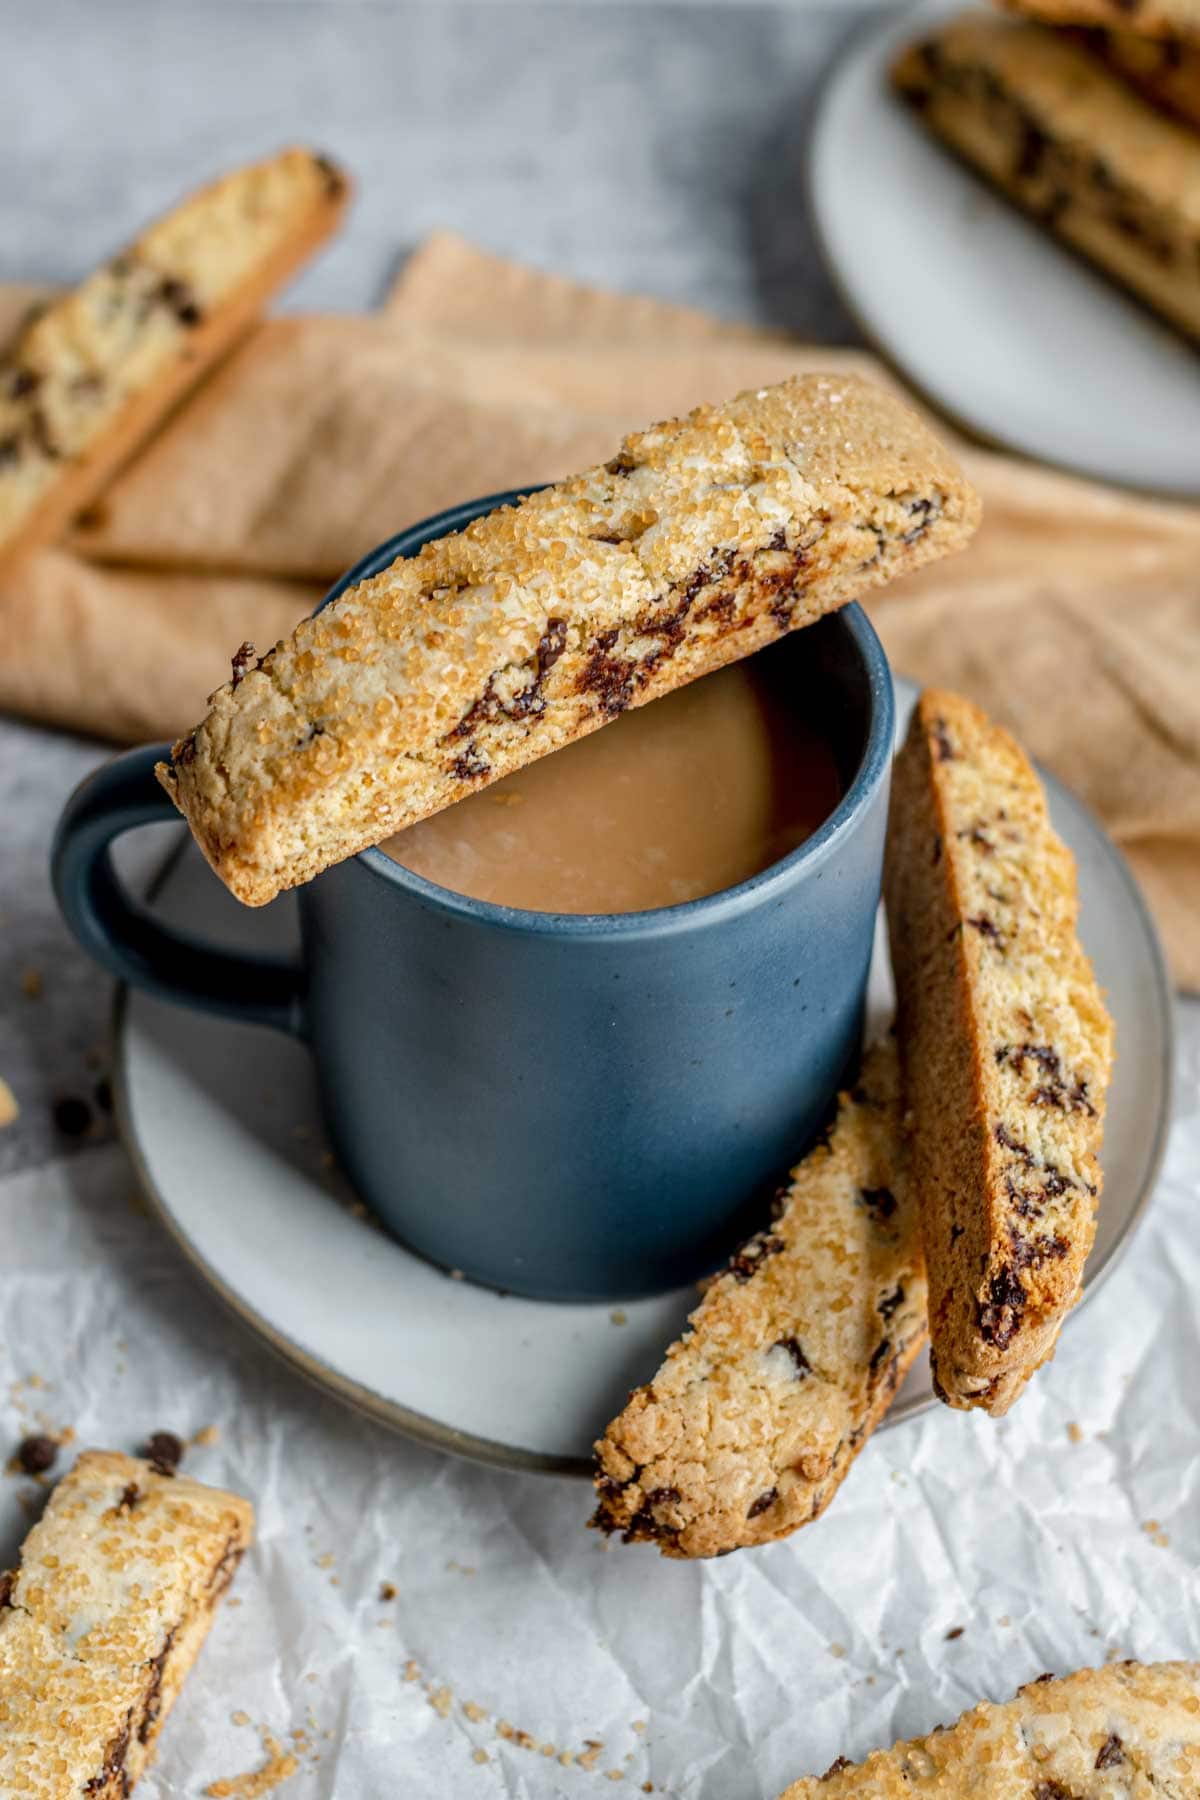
619	1316
387	1590
279	1765
587	1759
1075	1432
480	1756
411	1671
838	1650
240	1718
206	1436
10	1112
474	1711
441	1700
1156	1534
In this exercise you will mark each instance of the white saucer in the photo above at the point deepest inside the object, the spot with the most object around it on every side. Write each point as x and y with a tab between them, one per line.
223	1125
1001	327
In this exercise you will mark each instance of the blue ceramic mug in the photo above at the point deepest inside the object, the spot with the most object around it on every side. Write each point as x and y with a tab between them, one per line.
566	1106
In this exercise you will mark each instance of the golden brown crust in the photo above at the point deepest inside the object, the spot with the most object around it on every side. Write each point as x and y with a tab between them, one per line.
1148	18
101	1622
1166	70
1005	1043
92	374
1118	1733
1045	121
791	1359
703	539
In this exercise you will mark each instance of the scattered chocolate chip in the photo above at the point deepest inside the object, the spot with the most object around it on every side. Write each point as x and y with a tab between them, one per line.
750	1258
792	1346
387	1590
164	1452
36	1454
1111	1752
72	1116
941	739
22	382
956	1632
178	296
240	661
765	1501
879	1202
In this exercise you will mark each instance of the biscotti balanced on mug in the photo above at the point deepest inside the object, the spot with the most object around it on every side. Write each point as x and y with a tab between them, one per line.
1117	1733
92	374
1006	1048
1069	142
791	1359
701	540
99	1625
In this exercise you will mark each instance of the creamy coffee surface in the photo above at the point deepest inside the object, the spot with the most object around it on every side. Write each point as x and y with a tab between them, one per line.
691	794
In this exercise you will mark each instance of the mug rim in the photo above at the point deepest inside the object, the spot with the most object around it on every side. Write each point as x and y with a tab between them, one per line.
684	915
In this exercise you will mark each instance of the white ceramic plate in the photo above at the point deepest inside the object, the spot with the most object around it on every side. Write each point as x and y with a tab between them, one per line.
996	323
223	1124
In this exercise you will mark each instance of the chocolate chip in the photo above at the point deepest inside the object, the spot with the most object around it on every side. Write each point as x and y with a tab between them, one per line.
387	1590
752	1255
1000	1314
621	464
835	1768
879	1202
240	661
941	739
764	1502
130	1495
1053	1790
471	764
22	382
956	1632
1111	1752
164	1452
551	645
8	1581
888	1303
987	928
178	296
879	1356
791	1345
72	1116
36	1454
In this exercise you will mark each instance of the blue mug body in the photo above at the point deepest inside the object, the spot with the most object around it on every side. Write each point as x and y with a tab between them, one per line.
571	1107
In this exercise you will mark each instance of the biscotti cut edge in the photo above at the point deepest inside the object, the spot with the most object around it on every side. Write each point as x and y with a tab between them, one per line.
791	1359
1006	1048
102	1620
1069	142
703	539
1125	1729
92	374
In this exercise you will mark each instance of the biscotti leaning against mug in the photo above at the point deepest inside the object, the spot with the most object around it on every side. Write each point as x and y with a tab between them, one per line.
95	371
701	540
792	1358
116	1590
1005	1044
1127	1729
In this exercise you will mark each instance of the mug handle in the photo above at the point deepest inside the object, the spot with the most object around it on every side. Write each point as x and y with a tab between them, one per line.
123	935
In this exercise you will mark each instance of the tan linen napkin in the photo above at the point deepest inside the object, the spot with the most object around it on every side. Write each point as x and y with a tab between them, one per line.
1075	616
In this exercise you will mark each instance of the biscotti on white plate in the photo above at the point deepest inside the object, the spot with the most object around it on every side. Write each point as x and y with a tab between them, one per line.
92	374
1070	143
702	539
1127	1731
791	1359
103	1619
1006	1048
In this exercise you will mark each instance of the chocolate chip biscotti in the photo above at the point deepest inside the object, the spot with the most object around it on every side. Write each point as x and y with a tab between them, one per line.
1126	1730
1165	69
102	1621
91	375
702	539
1051	127
791	1359
1149	18
1005	1044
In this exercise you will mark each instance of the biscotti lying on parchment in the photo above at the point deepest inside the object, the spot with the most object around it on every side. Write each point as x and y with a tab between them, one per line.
1044	120
792	1357
1006	1048
1123	1732
102	1621
701	540
93	373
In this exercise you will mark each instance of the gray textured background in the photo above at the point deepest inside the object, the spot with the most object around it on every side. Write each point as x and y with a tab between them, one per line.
657	148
